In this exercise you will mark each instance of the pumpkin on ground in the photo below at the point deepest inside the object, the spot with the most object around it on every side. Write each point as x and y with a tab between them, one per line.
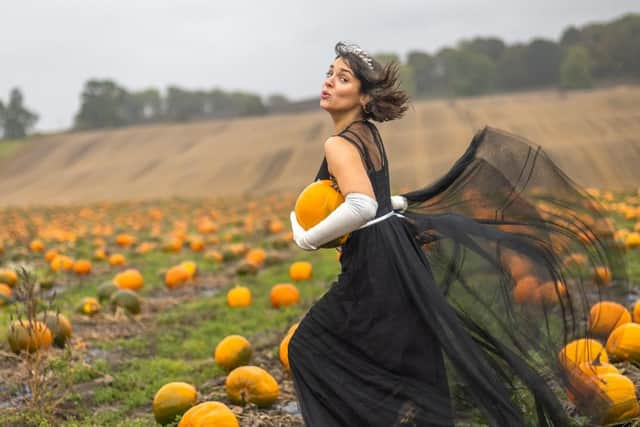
105	290
5	294
233	351
82	266
176	276
117	259
209	414
59	326
582	350
621	393
624	342
605	316
251	384
239	296
129	279
300	270
173	399
636	312
126	299
284	346
89	306
25	335
315	202
284	294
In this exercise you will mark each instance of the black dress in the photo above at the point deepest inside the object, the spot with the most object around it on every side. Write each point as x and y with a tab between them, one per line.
425	324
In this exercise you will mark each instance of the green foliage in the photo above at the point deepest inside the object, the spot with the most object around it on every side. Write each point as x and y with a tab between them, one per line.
15	119
575	71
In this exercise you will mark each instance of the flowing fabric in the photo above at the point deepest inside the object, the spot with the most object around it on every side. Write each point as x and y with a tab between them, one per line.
455	312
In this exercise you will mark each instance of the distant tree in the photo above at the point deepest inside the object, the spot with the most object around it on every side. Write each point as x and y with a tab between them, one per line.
575	71
468	73
103	104
543	59
144	106
490	46
570	36
277	100
15	119
247	104
512	68
185	105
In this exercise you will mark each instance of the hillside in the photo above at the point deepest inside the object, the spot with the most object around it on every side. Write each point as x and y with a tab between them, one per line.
593	136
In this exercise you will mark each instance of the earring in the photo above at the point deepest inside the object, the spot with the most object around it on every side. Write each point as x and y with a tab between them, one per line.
364	109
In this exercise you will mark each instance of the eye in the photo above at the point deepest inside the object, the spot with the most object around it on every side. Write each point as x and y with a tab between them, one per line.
343	79
328	73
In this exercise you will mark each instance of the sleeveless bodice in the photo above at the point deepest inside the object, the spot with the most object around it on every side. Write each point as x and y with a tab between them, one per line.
365	137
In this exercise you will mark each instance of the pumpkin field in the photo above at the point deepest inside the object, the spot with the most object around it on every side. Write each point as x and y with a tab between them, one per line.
131	296
131	313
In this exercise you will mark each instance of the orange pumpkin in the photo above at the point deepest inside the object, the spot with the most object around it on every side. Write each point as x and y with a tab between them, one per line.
125	240
284	346
191	268
5	294
28	336
36	245
173	399
232	351
82	266
551	292
117	259
582	350
284	294
209	414
51	254
239	296
526	290
251	384
316	201
621	393
605	316
61	262
636	312
129	279
624	342
256	256
196	244
176	276
300	270
602	275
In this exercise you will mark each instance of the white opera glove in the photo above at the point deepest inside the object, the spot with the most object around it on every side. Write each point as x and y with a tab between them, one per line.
356	210
399	203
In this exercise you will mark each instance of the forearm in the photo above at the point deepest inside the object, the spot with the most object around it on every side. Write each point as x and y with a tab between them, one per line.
356	210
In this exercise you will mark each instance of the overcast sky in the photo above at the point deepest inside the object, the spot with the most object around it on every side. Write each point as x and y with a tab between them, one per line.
50	48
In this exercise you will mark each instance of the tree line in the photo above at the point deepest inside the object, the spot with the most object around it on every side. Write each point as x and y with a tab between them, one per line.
483	65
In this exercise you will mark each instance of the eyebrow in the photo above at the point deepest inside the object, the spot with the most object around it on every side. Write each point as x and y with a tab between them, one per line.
342	69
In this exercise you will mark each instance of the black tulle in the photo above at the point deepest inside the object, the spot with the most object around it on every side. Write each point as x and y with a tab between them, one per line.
425	326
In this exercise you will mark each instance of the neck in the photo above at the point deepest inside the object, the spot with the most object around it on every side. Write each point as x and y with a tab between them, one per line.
342	120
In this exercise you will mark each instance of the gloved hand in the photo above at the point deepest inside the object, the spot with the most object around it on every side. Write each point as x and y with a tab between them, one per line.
354	212
399	203
299	233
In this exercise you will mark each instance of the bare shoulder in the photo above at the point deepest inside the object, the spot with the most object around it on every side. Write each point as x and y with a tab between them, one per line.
337	144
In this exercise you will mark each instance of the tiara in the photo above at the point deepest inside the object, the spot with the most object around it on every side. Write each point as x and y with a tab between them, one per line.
357	51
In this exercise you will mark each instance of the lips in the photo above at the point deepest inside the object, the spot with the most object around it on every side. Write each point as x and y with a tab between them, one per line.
324	94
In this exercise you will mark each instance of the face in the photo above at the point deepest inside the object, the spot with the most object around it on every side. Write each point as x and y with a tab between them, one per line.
341	89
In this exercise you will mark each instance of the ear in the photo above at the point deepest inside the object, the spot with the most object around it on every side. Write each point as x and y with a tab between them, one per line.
364	99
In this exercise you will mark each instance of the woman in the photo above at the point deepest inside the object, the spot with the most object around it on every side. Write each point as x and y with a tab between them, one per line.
426	324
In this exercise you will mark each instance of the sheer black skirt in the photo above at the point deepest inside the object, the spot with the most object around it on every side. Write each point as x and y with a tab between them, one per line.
456	312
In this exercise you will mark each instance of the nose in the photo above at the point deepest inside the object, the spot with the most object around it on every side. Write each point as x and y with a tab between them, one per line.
328	82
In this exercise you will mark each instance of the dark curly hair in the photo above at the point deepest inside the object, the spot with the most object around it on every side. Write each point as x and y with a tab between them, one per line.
388	101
